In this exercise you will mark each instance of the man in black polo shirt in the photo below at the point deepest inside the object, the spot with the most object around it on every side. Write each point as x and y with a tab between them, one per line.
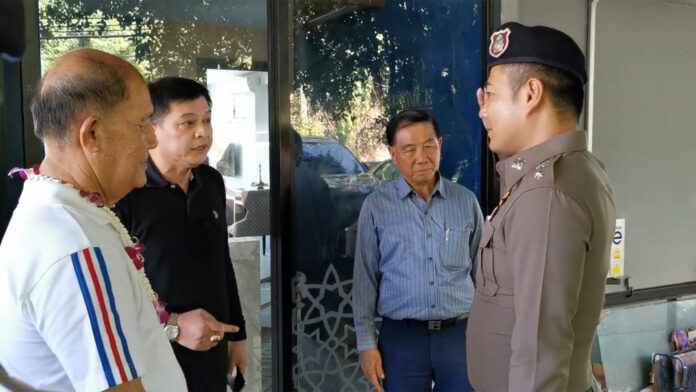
180	218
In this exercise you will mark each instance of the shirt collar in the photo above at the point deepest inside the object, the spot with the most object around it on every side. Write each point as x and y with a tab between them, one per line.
154	177
403	189
51	193
512	169
156	180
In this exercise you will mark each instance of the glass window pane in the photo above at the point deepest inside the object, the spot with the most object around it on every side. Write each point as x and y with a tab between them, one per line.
357	63
223	45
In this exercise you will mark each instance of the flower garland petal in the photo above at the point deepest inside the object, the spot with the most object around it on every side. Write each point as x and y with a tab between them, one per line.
24	173
132	248
161	312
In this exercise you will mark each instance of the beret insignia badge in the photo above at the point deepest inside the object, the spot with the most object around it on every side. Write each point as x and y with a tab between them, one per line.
499	42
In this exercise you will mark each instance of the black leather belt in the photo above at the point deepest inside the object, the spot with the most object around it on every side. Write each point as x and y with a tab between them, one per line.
436	325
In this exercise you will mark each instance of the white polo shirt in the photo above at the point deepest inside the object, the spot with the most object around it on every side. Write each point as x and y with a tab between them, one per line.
75	313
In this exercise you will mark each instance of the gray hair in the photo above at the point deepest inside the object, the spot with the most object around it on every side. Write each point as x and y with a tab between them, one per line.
59	102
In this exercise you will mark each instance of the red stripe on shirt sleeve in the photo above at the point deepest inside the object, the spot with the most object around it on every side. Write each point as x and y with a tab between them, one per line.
105	314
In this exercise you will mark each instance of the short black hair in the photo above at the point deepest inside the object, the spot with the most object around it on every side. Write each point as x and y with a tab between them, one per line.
58	103
408	117
170	89
566	93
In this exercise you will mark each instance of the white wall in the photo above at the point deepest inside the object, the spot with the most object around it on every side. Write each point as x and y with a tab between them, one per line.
240	116
643	129
644	132
569	16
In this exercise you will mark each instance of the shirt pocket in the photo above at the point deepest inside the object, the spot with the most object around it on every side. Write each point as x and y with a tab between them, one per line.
486	282
455	248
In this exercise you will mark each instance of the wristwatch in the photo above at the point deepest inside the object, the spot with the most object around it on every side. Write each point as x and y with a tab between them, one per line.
172	327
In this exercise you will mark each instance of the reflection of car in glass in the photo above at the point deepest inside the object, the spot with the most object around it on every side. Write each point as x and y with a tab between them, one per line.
336	164
347	178
325	155
385	171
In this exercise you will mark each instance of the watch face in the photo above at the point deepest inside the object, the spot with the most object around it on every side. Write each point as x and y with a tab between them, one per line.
172	332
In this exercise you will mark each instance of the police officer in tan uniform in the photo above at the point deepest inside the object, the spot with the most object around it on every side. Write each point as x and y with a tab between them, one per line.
544	252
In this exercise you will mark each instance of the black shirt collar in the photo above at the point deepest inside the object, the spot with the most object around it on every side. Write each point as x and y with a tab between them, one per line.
154	177
156	180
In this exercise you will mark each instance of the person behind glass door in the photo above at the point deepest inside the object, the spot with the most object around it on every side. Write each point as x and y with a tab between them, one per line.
180	217
312	243
545	249
417	236
76	314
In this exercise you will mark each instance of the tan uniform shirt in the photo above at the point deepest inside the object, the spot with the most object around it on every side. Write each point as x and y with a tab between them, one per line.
540	276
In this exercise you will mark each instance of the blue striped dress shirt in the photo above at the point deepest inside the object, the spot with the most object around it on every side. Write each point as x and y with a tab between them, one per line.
413	258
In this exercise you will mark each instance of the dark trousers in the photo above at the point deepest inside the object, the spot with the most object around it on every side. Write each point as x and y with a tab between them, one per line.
205	371
414	357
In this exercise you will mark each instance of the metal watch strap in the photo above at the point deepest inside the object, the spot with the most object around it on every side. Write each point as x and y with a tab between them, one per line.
173	319
171	329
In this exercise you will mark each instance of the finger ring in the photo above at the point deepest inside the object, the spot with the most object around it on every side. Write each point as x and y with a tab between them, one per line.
215	338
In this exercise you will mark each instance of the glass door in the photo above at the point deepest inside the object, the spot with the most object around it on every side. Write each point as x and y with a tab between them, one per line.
355	63
223	45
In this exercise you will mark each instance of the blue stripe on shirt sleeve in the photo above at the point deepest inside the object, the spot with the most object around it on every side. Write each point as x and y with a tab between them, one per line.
117	320
93	319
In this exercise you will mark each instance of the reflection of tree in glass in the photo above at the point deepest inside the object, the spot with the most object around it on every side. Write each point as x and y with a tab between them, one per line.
173	37
359	128
348	59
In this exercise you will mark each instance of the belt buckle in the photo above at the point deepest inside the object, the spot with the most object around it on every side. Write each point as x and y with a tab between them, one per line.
435	325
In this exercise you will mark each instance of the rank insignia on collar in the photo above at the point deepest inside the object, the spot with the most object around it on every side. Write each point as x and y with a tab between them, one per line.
518	164
499	42
540	169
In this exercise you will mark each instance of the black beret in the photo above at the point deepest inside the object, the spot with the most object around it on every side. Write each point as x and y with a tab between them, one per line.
516	43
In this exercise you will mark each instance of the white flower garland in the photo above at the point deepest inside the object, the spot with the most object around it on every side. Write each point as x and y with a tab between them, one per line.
116	223
128	241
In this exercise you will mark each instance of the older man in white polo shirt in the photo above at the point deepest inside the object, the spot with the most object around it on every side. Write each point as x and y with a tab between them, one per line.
77	311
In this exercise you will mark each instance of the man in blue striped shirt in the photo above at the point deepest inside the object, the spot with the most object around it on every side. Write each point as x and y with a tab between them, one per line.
417	237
